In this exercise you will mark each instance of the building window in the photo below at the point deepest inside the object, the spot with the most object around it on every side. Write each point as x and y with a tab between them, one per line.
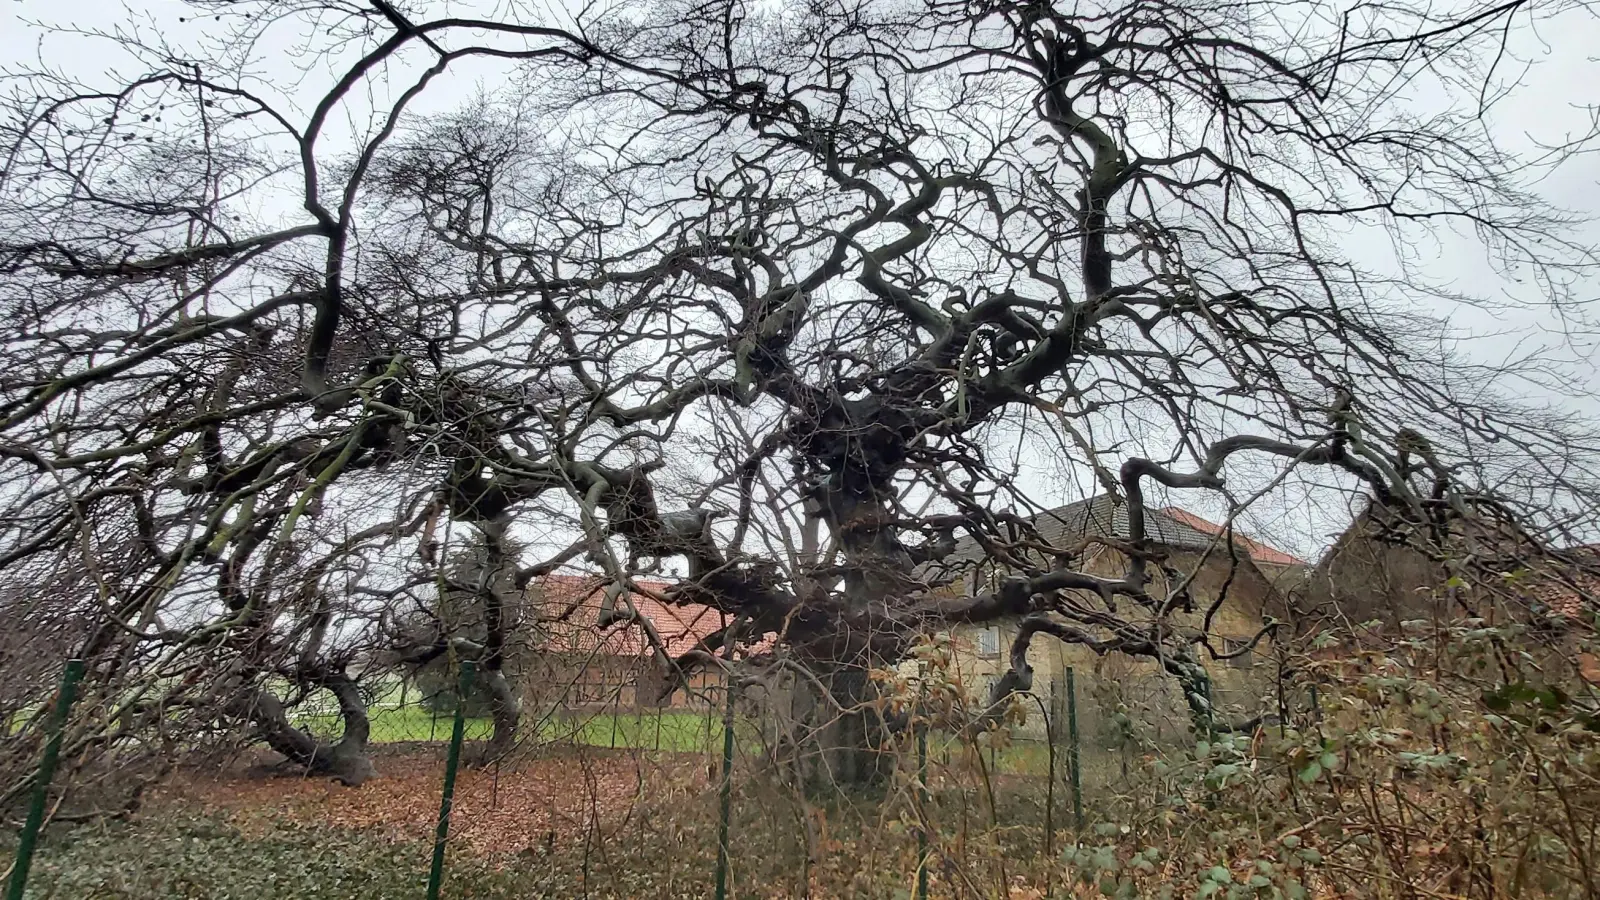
989	641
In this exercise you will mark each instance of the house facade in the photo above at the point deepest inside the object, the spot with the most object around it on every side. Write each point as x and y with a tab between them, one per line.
1137	686
1368	585
576	665
1286	572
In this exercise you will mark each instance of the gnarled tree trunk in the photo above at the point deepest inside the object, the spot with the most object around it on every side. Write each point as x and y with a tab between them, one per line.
497	593
504	712
843	741
345	760
834	733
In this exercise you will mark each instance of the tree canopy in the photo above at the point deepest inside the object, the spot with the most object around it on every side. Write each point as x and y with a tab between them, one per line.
772	294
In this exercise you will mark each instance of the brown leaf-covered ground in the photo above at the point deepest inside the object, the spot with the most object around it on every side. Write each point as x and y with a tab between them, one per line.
529	801
557	823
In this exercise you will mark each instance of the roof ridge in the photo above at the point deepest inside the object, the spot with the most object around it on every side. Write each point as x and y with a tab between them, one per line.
596	577
680	625
1252	544
1101	515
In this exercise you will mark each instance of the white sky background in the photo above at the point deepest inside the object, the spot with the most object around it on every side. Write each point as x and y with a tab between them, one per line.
1553	104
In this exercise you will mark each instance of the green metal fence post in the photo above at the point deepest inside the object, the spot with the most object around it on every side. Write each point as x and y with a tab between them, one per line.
41	784
457	730
1072	739
1211	735
727	790
922	794
1052	724
616	710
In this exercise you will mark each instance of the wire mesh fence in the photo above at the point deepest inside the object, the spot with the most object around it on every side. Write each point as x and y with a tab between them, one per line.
711	794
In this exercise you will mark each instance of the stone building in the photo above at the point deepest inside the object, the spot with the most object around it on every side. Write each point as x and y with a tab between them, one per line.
1103	683
1370	584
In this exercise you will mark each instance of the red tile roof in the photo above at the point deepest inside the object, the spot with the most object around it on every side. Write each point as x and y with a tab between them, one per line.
569	606
1561	597
1258	551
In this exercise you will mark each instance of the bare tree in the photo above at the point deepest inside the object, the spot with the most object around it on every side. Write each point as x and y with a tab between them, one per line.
764	299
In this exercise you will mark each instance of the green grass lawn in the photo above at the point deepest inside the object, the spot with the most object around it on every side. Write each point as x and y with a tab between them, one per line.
676	731
669	730
416	723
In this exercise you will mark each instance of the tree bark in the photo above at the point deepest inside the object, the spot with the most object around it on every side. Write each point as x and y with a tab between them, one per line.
345	760
505	713
497	586
841	739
